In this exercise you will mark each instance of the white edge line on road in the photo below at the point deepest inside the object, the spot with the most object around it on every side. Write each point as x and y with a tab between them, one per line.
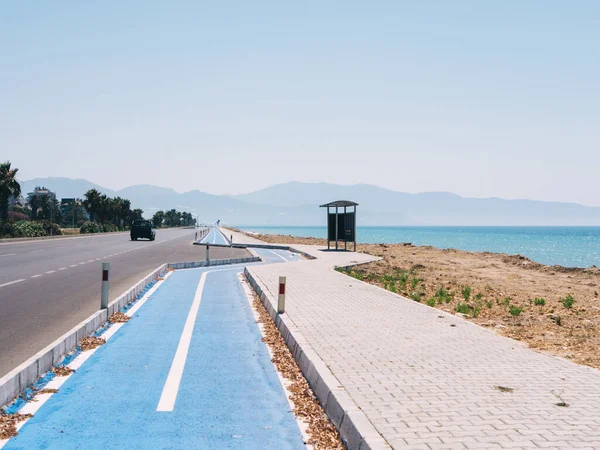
33	406
12	282
284	383
171	387
9	254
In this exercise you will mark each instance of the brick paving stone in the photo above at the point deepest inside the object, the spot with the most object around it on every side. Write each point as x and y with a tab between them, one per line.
401	361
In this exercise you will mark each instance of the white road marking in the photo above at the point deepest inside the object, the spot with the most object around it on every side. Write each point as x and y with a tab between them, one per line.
171	388
215	238
73	265
278	255
8	254
63	268
82	263
12	282
91	260
51	271
36	276
36	251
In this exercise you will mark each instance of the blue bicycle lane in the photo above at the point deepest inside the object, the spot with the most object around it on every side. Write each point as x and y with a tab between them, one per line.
229	395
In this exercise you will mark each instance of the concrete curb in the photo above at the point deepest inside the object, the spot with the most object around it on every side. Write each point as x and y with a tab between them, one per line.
18	379
355	429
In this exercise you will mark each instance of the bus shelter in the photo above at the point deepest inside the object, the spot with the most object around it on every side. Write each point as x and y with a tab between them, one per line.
341	223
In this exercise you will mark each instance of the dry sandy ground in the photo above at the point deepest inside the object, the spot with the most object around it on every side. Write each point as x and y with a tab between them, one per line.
503	292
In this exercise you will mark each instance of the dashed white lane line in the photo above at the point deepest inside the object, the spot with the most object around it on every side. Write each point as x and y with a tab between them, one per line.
36	251
8	254
73	265
51	271
63	268
82	263
36	276
12	282
91	260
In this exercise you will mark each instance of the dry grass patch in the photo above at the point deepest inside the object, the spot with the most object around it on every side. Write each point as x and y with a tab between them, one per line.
323	435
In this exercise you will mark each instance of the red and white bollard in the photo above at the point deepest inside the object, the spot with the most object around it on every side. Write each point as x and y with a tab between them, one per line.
281	299
104	295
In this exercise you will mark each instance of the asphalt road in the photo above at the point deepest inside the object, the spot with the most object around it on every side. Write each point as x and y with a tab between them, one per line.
48	287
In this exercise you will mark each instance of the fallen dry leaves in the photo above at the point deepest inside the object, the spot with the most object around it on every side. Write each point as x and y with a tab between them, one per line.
91	342
62	371
323	435
8	424
119	317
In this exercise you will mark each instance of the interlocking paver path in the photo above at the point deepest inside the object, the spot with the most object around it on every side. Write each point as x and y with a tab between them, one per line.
427	379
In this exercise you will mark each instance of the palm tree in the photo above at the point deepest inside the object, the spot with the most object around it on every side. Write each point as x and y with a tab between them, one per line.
9	187
92	203
137	214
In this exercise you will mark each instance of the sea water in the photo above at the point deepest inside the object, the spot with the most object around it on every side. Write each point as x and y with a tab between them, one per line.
566	246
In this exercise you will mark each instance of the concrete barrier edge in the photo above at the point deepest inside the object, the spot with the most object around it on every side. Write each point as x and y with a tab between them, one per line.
355	429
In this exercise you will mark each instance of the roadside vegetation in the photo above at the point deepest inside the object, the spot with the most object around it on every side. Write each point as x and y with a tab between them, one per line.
551	308
40	213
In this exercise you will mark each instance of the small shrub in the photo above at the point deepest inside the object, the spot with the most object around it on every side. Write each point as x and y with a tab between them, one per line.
25	228
515	310
568	301
109	228
402	280
443	296
415	282
416	296
507	300
539	301
90	227
478	296
431	302
466	293
489	305
463	308
51	229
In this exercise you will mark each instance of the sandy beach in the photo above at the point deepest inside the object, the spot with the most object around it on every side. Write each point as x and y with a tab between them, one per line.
551	308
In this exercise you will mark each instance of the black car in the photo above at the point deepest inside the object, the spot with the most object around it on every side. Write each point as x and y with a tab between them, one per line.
142	229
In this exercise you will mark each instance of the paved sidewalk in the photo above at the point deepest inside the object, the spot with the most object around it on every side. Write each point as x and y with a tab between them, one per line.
427	379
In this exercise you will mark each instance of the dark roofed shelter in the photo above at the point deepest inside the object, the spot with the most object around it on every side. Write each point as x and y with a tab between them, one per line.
341	226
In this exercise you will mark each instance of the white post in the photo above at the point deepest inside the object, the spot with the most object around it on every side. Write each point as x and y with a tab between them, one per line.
281	299
104	296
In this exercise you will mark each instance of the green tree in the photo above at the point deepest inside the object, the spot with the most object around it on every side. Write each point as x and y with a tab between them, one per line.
137	214
92	203
9	187
157	218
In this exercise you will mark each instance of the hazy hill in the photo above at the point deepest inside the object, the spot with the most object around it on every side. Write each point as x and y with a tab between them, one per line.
296	203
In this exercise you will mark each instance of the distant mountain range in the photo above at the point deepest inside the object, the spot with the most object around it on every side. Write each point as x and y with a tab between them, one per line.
296	203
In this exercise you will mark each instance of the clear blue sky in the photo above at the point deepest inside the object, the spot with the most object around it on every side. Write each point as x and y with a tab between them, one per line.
479	98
